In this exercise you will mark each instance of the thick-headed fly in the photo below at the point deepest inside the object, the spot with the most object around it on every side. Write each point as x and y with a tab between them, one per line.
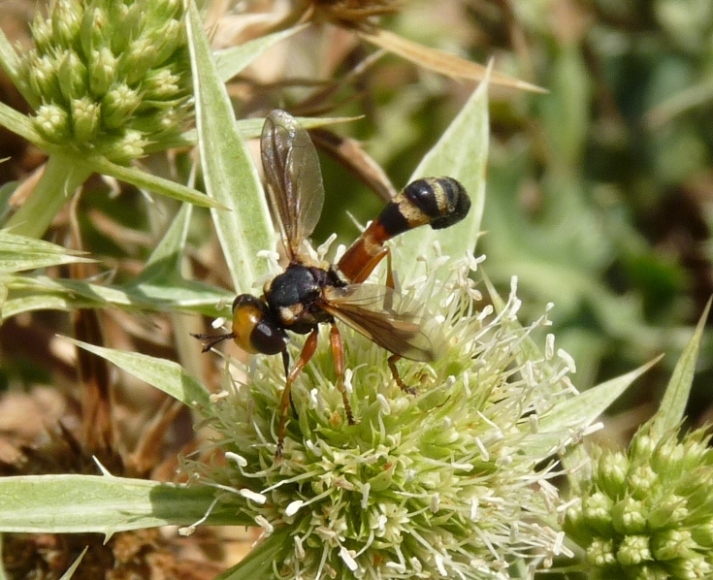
310	292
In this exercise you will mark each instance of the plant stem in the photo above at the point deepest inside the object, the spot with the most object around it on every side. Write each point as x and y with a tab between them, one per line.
61	176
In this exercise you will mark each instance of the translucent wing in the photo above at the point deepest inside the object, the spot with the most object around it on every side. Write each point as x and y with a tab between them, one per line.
384	316
294	181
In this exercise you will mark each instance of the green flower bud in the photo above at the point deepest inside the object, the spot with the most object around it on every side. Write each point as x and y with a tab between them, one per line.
642	446
692	567
612	474
103	69
161	85
43	77
645	572
116	12
629	516
94	34
72	77
670	544
671	511
167	40
129	146
163	10
128	27
66	18
641	481
41	29
85	119
597	511
634	550
696	451
118	105
52	122
137	59
600	553
702	534
668	458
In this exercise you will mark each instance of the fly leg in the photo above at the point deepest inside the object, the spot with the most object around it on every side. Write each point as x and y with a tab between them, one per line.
392	360
335	341
307	352
373	262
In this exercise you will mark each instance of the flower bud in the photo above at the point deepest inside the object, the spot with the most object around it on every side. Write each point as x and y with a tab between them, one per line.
43	73
597	511
629	516
41	32
600	553
118	105
634	550
161	85
167	39
670	511
129	146
612	472
103	69
72	77
670	544
85	119
94	34
66	22
52	122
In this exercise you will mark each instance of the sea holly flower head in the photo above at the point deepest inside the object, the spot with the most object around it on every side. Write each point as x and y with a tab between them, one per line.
104	75
648	513
446	483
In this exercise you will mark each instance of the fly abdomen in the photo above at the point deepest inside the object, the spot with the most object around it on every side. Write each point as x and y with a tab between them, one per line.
442	200
437	201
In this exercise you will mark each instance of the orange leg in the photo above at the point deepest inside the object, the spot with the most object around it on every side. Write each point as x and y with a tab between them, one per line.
307	353
393	359
335	341
373	263
369	268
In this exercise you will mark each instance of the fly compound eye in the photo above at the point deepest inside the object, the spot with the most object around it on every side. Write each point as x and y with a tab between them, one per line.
254	329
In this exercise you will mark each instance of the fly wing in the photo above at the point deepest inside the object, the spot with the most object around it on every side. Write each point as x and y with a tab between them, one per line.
384	316
295	191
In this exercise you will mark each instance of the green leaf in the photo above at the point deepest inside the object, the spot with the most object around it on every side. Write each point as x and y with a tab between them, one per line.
43	293
258	563
19	253
586	407
153	183
674	401
20	125
163	374
103	504
229	173
461	152
61	176
231	61
164	263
